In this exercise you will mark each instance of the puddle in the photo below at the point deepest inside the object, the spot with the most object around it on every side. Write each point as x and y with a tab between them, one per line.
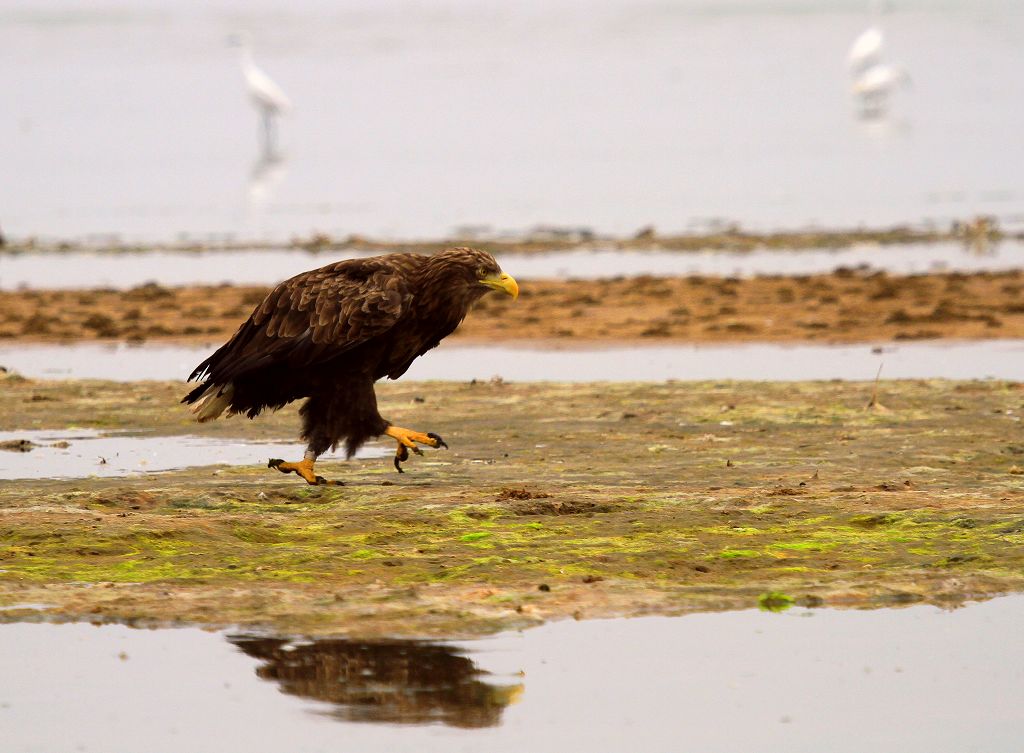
969	359
267	267
918	679
80	453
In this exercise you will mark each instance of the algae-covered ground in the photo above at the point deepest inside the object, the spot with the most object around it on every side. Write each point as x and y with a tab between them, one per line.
554	500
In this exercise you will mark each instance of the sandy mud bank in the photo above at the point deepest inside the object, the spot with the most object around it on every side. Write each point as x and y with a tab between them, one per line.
845	306
554	501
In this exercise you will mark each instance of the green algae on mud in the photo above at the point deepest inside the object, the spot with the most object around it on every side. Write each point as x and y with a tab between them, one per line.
615	498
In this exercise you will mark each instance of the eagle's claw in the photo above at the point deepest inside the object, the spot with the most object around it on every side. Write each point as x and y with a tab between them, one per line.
303	468
407	440
401	455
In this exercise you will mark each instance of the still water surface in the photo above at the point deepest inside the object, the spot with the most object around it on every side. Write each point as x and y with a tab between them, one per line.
53	271
413	118
945	359
916	680
80	453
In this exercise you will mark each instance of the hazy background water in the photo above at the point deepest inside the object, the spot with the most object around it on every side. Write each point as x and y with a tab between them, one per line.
413	118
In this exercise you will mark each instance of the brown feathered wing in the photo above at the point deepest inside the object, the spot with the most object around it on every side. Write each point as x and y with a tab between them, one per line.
315	316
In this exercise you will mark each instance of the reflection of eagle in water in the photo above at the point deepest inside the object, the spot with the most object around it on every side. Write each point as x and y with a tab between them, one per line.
398	682
330	333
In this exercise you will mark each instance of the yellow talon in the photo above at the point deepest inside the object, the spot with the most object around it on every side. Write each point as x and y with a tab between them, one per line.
407	439
302	468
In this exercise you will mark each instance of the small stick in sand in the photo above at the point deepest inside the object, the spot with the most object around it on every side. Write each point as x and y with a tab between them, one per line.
873	403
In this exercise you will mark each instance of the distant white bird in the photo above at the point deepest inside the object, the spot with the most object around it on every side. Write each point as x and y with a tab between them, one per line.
874	86
866	50
267	97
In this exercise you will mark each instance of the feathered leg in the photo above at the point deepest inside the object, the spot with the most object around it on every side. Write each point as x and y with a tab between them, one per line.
319	425
348	411
316	430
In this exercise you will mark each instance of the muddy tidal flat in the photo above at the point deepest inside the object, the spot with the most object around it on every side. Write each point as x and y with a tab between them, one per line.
976	231
554	501
844	306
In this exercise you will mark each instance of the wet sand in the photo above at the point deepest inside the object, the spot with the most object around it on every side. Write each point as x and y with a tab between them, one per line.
554	501
845	306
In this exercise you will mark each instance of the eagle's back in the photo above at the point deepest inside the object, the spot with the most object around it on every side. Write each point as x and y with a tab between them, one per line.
370	317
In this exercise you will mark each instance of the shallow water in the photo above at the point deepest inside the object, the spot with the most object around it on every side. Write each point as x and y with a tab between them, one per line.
132	118
967	359
267	267
80	453
918	679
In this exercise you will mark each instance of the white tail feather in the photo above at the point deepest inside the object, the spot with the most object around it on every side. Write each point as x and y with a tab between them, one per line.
213	402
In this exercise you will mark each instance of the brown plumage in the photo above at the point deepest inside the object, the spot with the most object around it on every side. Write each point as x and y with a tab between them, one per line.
329	334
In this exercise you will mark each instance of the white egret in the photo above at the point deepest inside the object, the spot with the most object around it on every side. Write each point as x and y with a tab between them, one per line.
267	97
866	50
872	78
874	86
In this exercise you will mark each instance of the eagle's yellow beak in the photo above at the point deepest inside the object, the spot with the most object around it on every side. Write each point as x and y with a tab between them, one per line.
503	282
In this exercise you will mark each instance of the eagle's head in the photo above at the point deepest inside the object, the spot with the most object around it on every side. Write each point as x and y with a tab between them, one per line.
478	271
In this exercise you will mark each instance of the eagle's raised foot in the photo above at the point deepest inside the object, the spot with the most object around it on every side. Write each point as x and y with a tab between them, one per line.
407	440
302	468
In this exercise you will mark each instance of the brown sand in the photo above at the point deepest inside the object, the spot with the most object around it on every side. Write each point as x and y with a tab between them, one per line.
844	306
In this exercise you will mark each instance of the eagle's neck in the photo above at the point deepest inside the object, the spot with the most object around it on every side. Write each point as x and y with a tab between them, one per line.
446	294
